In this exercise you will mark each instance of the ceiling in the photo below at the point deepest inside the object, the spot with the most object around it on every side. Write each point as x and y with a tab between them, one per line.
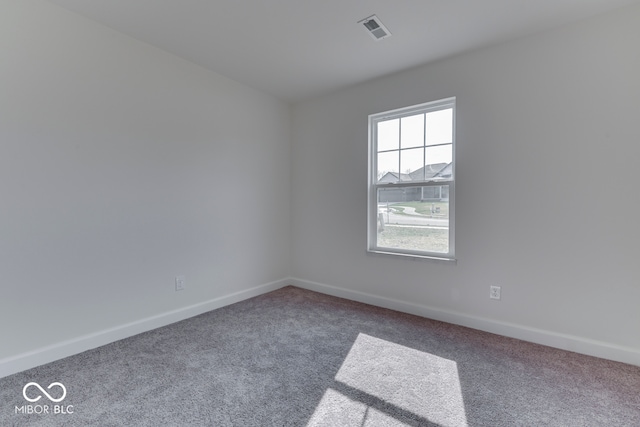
295	49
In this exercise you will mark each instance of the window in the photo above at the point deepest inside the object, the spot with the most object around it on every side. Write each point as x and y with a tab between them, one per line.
411	180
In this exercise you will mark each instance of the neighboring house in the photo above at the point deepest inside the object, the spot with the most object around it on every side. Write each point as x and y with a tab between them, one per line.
429	171
395	177
410	194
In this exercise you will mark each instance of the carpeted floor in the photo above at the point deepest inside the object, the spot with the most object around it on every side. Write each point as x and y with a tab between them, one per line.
298	358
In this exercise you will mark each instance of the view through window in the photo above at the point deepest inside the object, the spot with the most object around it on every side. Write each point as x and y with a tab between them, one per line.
411	189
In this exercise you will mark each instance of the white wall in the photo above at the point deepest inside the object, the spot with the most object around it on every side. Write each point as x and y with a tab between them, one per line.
122	166
547	190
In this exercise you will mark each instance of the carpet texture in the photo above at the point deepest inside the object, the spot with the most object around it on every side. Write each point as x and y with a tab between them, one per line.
299	358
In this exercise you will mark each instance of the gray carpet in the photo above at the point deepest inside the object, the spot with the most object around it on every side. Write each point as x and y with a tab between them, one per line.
298	358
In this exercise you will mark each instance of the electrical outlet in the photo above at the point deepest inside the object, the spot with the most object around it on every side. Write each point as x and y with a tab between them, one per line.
181	283
494	292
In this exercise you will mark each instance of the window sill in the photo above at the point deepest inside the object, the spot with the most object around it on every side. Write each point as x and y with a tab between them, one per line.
413	257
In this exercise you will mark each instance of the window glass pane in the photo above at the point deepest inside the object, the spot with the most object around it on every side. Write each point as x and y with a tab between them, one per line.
389	135
439	154
411	163
388	164
412	134
440	127
414	218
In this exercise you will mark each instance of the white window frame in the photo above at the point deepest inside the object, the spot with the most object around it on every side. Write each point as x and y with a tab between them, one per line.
374	185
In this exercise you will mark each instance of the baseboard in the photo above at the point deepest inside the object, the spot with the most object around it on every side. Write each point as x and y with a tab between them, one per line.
31	359
28	360
552	339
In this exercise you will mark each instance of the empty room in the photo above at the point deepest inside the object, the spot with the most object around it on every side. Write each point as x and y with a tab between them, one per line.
319	213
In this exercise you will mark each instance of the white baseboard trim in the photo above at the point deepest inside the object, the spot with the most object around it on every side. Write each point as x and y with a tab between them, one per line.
552	339
31	359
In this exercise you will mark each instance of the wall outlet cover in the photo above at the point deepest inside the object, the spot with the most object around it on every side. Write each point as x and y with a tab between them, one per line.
181	283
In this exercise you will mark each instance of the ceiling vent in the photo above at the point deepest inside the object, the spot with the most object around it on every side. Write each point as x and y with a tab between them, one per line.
375	28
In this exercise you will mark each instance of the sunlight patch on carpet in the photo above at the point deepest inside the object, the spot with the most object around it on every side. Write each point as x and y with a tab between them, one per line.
382	383
337	409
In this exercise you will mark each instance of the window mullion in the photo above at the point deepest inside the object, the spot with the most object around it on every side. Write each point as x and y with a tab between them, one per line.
399	149
424	146
413	184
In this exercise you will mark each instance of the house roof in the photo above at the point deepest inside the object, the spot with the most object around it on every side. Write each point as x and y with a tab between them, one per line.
436	170
427	171
445	172
394	177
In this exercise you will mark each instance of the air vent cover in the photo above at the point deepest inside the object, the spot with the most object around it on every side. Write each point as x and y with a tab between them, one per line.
375	28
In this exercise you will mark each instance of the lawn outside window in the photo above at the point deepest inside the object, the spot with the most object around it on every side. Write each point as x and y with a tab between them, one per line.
412	181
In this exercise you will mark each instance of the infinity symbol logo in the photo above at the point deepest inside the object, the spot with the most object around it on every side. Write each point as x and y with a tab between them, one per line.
64	392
